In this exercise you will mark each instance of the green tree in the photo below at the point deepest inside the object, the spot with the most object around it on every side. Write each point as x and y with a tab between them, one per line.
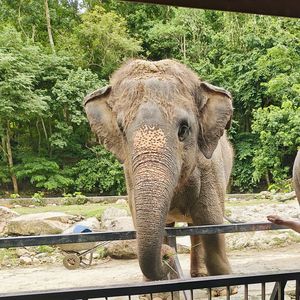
279	132
19	66
71	129
43	172
99	170
41	21
101	43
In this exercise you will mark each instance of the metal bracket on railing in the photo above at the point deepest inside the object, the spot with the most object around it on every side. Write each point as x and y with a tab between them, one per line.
171	241
278	291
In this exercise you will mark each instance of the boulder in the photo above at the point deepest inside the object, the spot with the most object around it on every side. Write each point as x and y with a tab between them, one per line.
92	223
122	249
6	215
21	252
114	219
39	224
111	213
25	260
122	201
118	224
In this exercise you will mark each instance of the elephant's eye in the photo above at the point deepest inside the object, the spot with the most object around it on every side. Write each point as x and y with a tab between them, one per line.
121	128
120	123
183	131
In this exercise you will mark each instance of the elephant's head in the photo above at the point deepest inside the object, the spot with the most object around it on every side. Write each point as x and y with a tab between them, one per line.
155	116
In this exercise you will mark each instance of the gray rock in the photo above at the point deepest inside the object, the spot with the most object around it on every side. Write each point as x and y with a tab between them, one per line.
21	252
112	213
6	215
122	249
39	224
122	201
118	224
36	261
41	255
45	259
114	219
92	223
25	260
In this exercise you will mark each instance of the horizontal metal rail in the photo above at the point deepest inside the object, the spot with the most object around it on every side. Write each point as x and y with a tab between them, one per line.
55	239
185	285
153	287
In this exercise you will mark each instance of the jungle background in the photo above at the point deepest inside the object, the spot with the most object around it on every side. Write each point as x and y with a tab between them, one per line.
53	53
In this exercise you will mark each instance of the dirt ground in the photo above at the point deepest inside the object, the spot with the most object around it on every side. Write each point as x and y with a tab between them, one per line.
256	256
110	271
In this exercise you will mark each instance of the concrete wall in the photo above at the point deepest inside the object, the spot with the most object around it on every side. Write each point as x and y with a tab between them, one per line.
56	200
98	199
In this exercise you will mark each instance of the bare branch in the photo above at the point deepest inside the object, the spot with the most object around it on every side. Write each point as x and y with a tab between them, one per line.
93	151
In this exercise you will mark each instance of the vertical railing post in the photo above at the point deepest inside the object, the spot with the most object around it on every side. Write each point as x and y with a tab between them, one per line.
263	291
246	292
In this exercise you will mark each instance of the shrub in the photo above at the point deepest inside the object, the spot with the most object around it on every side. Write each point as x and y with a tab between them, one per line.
101	170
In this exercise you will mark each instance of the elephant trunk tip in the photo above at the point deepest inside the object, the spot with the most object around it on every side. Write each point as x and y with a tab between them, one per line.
159	269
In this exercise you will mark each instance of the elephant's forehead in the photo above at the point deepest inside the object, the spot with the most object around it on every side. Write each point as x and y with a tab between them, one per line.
151	138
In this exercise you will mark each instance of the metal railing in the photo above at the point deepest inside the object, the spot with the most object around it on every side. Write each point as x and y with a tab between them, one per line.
193	286
23	241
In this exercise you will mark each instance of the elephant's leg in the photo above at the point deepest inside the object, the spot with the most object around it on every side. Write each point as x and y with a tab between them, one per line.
198	268
215	254
207	212
213	244
296	176
216	261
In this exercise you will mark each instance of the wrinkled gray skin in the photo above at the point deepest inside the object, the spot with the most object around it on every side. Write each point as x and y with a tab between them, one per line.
296	176
168	129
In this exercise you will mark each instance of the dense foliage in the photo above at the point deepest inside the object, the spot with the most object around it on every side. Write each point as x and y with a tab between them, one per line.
53	53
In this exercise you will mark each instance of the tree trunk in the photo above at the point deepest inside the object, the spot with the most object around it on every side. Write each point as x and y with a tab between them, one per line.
248	122
167	14
33	30
3	146
3	140
67	115
39	133
10	158
49	26
268	178
20	3
50	134
44	127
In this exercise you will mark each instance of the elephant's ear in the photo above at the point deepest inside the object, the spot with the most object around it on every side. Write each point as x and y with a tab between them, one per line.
215	112
103	121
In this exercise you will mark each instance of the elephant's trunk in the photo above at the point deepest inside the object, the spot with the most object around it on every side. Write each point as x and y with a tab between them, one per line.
155	180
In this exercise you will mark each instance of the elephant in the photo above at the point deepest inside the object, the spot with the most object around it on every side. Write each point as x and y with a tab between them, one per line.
296	175
168	129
